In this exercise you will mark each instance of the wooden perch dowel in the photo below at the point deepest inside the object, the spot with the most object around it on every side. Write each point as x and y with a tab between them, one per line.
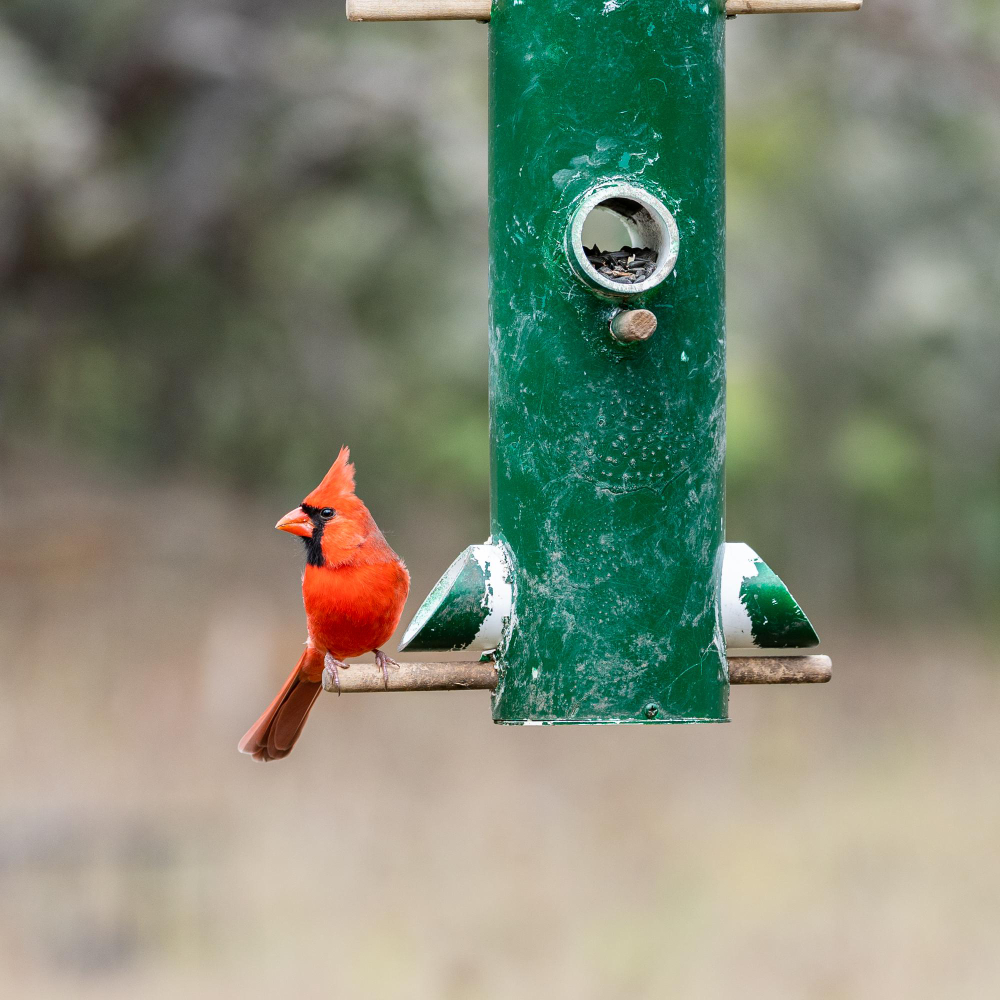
780	669
479	10
458	675
734	7
472	675
418	10
631	326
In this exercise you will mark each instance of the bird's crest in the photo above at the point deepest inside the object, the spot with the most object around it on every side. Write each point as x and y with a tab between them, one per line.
338	482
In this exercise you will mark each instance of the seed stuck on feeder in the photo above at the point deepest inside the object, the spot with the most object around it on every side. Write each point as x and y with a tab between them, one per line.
628	265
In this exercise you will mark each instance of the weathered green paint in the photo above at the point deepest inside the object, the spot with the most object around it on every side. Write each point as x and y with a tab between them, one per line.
453	612
469	607
776	618
607	462
758	610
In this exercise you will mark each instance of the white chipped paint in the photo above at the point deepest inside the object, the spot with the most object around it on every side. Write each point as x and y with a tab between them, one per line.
499	596
432	603
610	5
739	563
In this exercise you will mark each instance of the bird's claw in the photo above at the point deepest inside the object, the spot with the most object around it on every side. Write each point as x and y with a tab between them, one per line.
331	674
383	662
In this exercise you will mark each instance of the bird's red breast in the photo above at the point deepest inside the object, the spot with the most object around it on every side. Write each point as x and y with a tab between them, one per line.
354	608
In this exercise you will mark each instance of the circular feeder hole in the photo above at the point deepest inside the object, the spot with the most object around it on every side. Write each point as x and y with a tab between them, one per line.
622	240
605	228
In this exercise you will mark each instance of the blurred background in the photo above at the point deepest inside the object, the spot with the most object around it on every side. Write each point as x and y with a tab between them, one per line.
193	197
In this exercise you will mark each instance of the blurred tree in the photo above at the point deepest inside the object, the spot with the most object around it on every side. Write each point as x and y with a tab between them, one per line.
864	249
233	235
232	238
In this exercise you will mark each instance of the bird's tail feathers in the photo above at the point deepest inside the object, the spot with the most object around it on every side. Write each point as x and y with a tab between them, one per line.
274	734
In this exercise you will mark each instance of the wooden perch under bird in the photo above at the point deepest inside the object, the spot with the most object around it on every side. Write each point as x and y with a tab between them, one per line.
465	675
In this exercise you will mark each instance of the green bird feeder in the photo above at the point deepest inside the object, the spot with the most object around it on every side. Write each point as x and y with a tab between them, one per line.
606	592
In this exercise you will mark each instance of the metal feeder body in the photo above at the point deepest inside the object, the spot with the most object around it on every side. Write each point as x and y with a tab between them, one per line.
606	592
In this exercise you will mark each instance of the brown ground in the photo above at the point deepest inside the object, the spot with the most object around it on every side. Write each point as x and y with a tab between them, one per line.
837	842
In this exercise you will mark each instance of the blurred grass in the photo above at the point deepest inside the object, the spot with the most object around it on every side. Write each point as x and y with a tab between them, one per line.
830	842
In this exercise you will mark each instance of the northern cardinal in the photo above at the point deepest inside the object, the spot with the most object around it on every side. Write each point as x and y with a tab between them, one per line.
353	587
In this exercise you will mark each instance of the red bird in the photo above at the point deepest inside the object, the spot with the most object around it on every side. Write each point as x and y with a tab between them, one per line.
353	587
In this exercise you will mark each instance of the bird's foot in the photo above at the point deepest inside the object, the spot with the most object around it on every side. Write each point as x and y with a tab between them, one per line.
384	661
331	675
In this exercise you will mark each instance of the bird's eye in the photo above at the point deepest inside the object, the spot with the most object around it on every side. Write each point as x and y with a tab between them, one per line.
326	513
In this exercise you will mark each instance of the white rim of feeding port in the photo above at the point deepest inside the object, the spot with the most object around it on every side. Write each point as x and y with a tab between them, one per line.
649	224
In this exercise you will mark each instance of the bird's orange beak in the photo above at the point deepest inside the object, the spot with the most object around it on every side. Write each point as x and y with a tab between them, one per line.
296	522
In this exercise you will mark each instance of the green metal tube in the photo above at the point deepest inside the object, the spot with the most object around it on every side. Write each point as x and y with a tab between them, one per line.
607	459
